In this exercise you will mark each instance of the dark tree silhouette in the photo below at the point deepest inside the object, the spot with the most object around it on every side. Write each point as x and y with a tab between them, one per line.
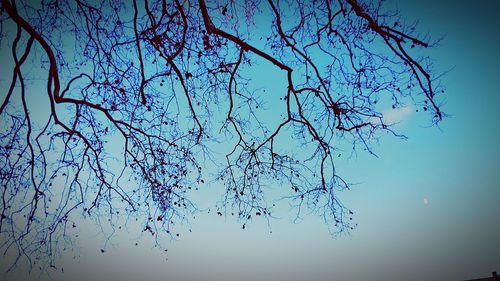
138	95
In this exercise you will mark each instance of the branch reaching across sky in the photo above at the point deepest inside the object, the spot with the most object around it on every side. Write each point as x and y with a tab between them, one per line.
136	94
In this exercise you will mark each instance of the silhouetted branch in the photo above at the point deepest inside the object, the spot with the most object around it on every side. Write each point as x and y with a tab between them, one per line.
138	95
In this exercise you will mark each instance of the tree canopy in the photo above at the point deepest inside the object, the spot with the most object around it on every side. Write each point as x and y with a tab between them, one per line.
121	109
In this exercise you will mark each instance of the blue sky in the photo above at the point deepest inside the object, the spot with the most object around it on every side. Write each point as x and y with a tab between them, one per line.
427	208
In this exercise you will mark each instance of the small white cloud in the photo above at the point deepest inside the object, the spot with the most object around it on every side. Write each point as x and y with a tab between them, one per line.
426	201
397	115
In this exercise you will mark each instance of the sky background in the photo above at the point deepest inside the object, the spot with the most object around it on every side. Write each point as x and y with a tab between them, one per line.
427	208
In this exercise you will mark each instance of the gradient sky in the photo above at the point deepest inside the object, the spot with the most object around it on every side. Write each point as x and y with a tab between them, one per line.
428	208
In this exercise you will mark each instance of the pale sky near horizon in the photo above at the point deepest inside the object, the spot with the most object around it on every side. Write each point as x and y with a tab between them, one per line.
428	208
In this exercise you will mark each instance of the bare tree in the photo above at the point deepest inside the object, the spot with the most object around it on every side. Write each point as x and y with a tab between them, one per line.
136	95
